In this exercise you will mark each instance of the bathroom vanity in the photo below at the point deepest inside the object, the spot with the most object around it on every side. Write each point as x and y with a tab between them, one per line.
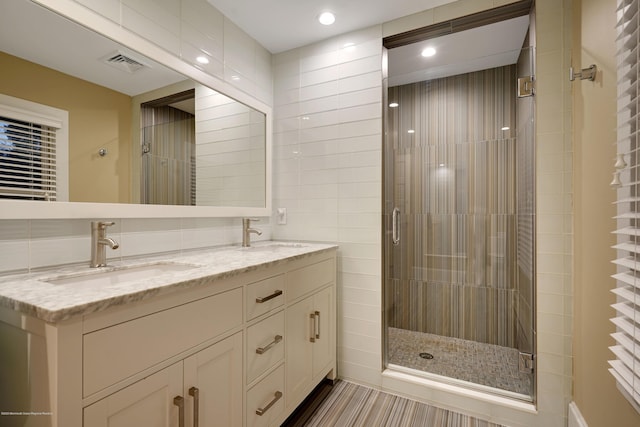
224	337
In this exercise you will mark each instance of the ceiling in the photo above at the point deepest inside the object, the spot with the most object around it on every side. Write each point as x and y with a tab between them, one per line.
281	25
480	48
22	23
272	23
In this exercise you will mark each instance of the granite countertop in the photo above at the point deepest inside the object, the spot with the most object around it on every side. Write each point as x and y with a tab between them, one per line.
34	295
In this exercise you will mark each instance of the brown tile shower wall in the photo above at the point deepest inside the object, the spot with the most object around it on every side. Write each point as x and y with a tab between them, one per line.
168	166
455	184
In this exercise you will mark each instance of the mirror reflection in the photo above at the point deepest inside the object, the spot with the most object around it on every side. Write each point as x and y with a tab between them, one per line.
138	132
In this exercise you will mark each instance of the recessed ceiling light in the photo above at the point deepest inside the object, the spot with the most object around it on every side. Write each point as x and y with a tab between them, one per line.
411	131
327	18
202	60
393	105
428	52
235	78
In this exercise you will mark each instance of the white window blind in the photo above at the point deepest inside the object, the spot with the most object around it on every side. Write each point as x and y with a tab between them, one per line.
626	365
34	150
27	160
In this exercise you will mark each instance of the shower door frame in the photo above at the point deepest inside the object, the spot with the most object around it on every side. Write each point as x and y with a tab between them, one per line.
388	232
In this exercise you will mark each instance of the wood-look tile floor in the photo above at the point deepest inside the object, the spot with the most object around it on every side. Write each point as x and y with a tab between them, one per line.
352	405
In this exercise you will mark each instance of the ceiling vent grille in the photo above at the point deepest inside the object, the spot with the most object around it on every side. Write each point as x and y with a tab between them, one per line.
123	62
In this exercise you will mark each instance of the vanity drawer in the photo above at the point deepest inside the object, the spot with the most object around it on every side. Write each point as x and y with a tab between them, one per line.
310	278
115	353
266	397
265	345
264	296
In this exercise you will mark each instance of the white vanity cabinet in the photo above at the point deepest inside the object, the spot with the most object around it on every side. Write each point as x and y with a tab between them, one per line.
207	383
310	328
202	388
228	350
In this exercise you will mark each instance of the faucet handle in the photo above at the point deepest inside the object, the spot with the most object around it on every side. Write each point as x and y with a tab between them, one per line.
246	222
102	224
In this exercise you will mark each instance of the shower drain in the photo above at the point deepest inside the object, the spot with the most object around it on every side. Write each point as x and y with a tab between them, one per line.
426	355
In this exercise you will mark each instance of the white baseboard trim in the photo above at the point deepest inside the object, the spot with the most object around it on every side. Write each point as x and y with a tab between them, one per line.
575	416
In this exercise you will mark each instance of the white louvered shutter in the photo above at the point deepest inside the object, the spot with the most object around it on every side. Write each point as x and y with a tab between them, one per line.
626	365
27	160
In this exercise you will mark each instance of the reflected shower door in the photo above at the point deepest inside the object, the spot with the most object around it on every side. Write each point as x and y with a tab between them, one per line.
168	161
452	170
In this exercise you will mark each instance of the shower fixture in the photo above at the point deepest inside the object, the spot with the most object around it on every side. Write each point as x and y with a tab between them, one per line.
584	74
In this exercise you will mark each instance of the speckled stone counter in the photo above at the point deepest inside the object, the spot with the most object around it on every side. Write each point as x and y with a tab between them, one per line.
34	295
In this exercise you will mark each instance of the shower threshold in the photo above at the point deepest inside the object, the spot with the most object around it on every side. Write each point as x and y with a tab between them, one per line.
485	367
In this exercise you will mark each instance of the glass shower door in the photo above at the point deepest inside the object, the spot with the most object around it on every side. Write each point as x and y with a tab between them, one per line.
455	229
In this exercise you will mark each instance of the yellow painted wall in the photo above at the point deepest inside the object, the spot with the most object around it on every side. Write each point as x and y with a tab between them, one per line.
98	118
594	124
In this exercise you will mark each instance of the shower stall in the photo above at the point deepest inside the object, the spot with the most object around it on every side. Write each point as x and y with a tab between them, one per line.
459	219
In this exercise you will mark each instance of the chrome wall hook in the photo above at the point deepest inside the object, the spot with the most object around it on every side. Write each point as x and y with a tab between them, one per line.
584	74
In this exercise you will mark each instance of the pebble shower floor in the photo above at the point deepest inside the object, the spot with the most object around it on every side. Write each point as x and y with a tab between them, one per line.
479	363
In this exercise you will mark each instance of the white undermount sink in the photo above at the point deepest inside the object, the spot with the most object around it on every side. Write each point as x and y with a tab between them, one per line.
273	247
127	274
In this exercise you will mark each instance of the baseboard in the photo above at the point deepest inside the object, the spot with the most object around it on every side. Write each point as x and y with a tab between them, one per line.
575	417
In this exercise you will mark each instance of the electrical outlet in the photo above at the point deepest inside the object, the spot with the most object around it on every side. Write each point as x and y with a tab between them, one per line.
282	216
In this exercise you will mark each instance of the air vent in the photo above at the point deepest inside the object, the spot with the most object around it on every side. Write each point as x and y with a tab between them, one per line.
123	62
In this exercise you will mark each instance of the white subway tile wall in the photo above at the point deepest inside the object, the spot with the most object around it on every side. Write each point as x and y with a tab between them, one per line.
328	174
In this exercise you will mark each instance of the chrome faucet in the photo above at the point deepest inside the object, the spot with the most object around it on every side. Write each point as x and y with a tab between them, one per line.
99	240
247	230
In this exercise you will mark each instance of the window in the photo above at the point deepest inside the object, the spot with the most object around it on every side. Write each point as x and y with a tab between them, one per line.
33	151
626	365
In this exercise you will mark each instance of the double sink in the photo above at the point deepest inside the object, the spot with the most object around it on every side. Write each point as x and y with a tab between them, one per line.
116	275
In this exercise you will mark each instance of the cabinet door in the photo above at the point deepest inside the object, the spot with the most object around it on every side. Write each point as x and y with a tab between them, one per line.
149	403
323	348
216	372
298	350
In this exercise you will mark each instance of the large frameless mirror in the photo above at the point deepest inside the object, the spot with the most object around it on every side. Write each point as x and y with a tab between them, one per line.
133	131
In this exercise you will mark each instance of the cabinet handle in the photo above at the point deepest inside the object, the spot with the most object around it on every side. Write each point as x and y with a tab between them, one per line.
179	402
318	324
262	350
195	392
276	397
312	316
276	293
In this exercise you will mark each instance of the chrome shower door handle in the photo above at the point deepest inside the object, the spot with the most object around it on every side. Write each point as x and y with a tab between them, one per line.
395	226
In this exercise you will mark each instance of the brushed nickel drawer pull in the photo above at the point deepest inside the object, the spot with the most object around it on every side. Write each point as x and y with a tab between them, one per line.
195	392
179	402
277	396
312	316
318	324
276	340
276	293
